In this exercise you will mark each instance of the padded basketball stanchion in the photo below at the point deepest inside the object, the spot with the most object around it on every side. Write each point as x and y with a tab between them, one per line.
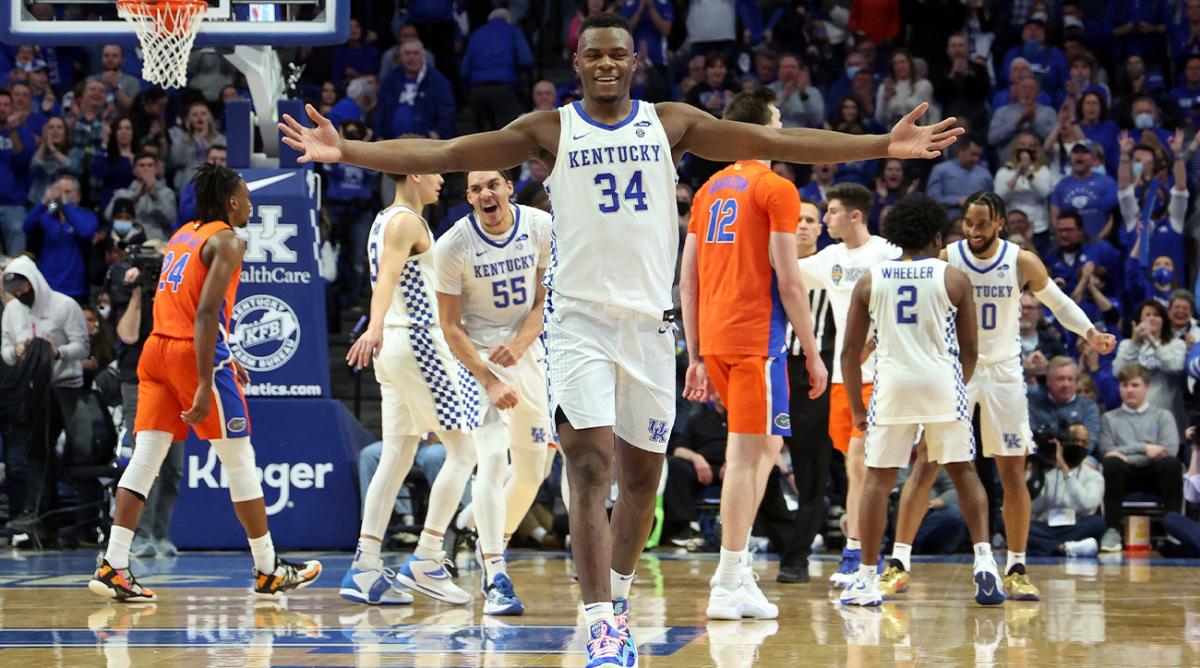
239	134
288	155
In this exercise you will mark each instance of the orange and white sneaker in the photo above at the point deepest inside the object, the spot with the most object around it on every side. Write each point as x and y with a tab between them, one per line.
118	584
287	577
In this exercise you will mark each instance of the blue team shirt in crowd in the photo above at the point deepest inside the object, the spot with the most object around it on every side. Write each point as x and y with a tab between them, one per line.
14	167
348	182
1093	197
645	32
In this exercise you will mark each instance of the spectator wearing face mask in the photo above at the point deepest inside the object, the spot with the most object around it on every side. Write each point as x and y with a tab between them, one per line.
1154	215
153	200
1066	521
1152	346
44	332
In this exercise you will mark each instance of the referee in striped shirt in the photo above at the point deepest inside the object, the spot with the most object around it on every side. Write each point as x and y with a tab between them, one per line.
810	446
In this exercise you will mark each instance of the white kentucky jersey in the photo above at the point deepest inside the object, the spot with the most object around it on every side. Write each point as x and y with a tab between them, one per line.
918	377
495	275
616	232
997	286
414	303
837	269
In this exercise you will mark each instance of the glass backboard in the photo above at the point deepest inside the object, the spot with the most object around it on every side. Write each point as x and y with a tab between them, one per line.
227	23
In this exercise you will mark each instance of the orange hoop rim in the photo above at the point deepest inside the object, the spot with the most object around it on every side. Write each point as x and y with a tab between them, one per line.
166	12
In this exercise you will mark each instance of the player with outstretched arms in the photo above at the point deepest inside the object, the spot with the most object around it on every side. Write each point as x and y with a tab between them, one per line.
609	340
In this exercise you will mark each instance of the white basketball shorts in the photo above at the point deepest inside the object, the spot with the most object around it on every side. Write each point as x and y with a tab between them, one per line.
612	367
529	422
890	446
999	391
423	386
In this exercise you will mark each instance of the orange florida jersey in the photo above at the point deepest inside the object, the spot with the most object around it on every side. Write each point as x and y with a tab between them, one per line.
733	215
180	282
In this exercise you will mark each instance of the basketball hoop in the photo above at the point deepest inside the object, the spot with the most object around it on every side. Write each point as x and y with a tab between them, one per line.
166	30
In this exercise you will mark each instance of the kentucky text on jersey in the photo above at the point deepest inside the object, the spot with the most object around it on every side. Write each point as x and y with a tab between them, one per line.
908	273
504	266
993	291
606	155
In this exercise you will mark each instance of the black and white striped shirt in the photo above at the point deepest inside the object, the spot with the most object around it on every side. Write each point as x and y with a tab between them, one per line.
823	328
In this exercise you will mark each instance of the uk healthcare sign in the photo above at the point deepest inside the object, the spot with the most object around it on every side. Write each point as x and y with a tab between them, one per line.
278	327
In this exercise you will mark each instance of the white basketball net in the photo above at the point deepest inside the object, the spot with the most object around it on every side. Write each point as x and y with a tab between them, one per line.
166	32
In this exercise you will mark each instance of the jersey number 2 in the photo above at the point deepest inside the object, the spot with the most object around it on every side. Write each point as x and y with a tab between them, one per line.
633	191
908	299
172	271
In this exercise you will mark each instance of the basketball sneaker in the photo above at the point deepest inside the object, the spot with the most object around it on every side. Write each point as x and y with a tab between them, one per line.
863	591
373	586
745	600
429	577
621	610
605	647
118	584
847	569
287	577
500	599
1018	587
989	588
893	581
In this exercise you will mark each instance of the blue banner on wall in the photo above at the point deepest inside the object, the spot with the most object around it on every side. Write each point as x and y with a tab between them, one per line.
306	452
278	330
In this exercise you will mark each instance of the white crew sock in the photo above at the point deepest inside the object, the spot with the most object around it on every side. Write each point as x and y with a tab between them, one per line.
368	557
429	546
853	544
729	569
493	566
867	572
983	551
620	584
602	611
119	541
902	552
1014	558
264	553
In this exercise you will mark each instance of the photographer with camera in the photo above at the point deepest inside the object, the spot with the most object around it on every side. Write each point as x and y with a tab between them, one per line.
132	285
1140	447
1066	495
153	200
59	232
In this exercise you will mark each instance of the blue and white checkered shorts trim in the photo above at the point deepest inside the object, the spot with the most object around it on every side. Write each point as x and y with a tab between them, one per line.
455	400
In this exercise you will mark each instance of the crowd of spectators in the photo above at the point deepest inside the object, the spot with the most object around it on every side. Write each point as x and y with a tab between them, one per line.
1080	114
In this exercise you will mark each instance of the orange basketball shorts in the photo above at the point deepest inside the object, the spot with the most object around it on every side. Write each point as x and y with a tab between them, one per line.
755	392
841	423
167	385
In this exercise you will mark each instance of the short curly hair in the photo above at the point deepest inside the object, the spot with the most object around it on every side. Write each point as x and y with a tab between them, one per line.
914	222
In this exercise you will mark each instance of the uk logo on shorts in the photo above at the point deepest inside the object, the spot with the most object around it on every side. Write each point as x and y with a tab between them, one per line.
1012	441
538	435
658	431
266	333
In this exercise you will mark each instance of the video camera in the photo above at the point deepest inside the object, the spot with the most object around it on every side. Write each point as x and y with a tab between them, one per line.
149	262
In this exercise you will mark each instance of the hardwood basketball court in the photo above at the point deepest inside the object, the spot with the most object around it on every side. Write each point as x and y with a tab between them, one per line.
1120	612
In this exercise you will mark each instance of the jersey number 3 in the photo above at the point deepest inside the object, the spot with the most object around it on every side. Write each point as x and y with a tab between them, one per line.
172	271
908	299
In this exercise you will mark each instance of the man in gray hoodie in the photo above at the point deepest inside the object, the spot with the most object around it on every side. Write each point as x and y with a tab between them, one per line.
37	312
1139	445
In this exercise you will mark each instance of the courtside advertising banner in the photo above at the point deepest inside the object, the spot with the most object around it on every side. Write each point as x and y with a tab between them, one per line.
278	327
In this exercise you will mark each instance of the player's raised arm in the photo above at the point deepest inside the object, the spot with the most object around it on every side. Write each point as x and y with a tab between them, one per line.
527	137
698	132
1063	307
857	322
223	252
399	239
958	287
